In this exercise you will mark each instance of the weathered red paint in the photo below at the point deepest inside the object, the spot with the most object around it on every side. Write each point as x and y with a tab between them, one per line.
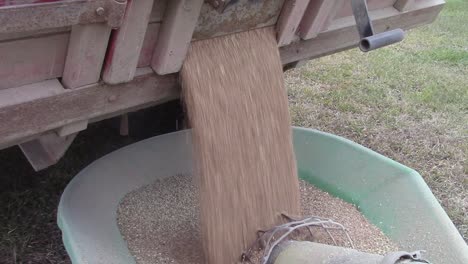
112	42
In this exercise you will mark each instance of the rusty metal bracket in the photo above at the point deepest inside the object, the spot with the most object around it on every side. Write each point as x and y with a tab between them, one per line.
368	39
54	14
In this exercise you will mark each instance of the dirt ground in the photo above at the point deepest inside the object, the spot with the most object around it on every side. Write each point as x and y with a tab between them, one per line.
408	102
29	200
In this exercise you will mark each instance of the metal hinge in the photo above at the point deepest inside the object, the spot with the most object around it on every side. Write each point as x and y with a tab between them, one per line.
368	39
55	14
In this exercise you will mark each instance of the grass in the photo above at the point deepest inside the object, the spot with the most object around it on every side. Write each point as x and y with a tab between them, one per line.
408	101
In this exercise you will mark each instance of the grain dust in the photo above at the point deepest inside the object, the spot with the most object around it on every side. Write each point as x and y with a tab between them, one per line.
237	105
160	222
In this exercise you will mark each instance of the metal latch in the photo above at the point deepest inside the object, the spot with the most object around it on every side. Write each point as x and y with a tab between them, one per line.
368	39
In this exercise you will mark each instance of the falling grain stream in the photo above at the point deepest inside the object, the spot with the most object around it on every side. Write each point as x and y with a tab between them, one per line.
245	171
237	105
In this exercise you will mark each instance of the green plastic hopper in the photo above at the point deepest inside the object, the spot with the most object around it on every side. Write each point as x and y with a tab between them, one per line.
391	195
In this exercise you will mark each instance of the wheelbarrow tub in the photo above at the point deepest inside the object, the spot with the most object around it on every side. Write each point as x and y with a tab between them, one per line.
392	196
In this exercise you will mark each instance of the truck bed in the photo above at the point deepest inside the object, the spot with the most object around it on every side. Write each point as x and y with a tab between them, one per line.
65	64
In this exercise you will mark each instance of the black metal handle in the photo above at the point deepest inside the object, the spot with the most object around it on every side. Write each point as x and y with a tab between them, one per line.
368	40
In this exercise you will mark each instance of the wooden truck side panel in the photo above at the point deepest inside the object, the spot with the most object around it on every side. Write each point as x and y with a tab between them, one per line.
50	78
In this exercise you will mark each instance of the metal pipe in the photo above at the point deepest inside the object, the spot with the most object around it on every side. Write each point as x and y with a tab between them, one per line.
381	40
304	252
369	40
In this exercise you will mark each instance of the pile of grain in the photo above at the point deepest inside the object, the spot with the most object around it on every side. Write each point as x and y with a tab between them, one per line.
237	105
160	222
